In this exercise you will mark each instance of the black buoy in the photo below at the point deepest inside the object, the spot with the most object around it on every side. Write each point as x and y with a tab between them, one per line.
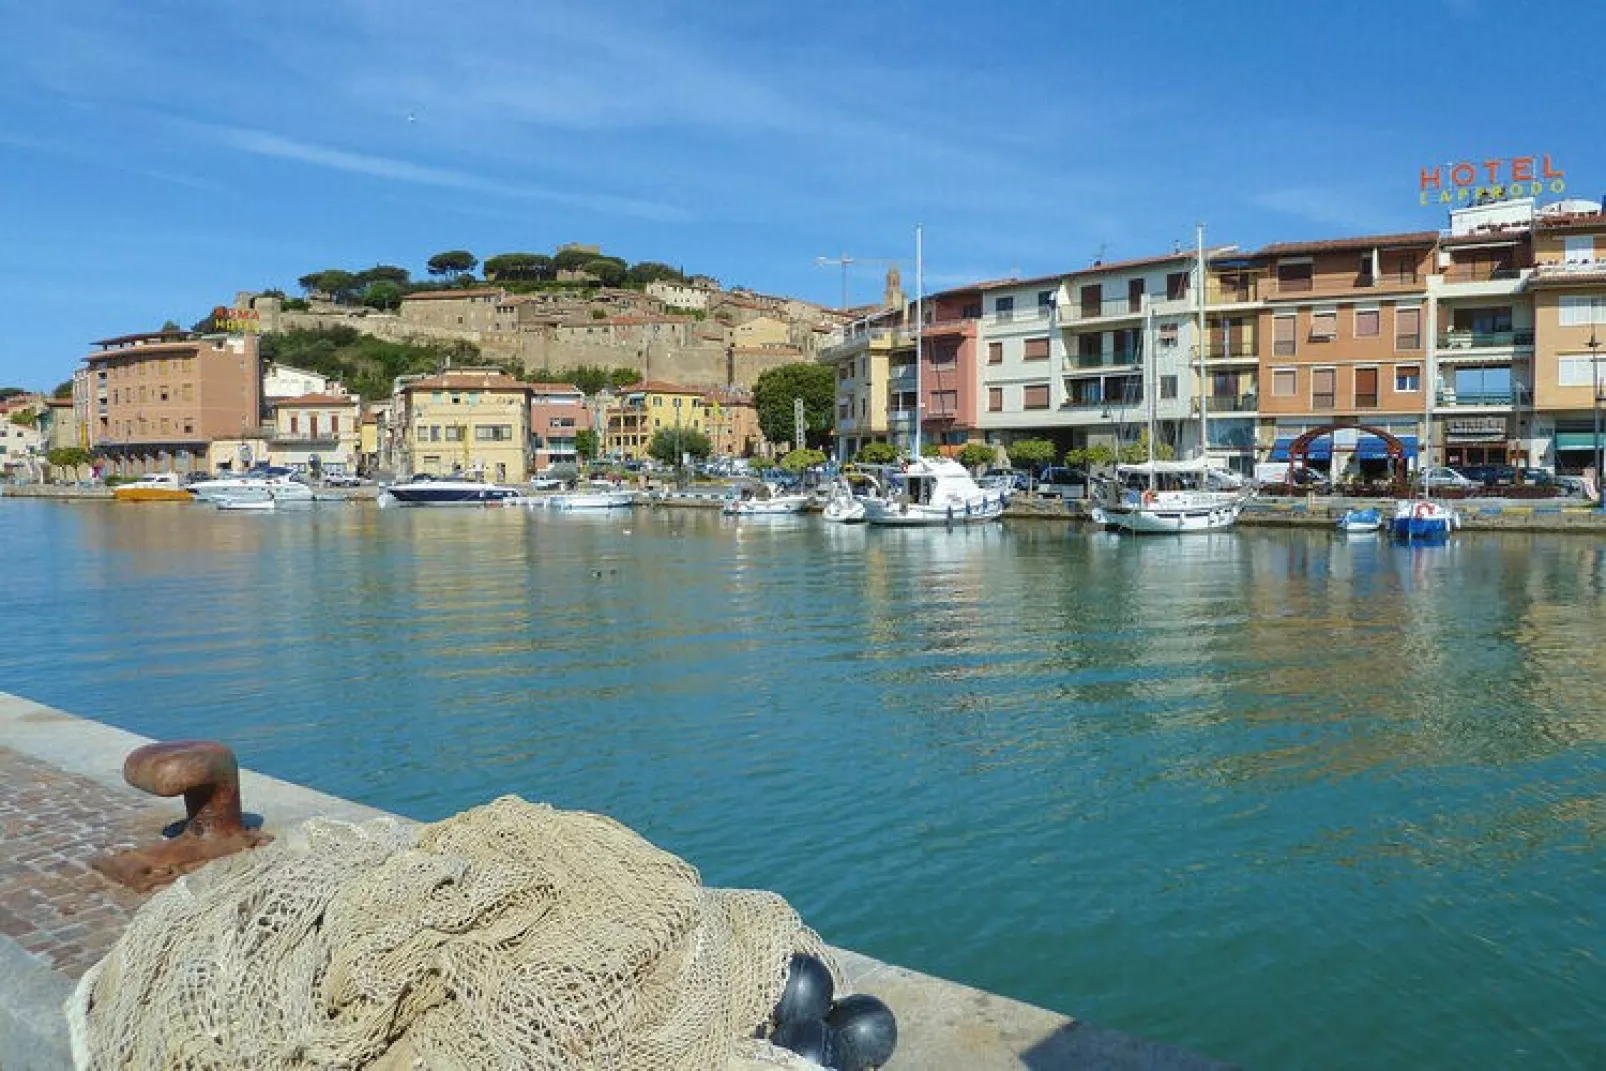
810	1039
866	1032
808	990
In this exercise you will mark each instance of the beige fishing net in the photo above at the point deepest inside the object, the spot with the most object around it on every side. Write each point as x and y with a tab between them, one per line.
509	936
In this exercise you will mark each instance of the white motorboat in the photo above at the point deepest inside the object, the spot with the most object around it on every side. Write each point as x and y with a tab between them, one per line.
1423	521
423	490
842	504
933	491
760	498
1360	521
572	500
264	495
251	484
1170	497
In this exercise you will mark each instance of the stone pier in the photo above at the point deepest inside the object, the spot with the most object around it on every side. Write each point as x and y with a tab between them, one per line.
63	802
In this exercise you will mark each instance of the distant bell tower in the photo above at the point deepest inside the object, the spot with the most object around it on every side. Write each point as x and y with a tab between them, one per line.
893	298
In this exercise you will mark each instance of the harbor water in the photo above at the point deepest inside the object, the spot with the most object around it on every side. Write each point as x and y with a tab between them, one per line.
1282	797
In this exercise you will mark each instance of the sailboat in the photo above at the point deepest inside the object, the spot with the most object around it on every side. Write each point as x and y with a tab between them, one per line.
1175	496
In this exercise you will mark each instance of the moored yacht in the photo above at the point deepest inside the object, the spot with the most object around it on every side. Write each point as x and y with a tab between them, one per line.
255	484
933	491
156	487
425	490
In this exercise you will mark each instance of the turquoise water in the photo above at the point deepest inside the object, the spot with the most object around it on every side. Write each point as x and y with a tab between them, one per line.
1284	799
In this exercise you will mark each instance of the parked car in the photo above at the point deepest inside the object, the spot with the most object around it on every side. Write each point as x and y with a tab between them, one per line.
1008	479
1443	477
1058	482
1490	475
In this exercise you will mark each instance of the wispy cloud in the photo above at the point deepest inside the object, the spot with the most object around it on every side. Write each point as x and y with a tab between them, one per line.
108	162
264	143
1329	206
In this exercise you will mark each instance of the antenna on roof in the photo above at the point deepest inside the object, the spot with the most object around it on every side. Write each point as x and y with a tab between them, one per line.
1098	255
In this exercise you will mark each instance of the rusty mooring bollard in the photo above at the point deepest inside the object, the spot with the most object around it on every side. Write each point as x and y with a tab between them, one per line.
206	774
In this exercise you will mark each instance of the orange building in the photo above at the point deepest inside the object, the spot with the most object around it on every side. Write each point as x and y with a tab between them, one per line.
154	401
1343	338
1569	315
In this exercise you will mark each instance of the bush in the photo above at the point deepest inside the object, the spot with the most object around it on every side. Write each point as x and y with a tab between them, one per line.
798	460
876	453
976	455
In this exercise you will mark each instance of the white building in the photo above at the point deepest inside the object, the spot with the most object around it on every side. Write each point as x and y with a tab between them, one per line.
689	295
283	381
1020	355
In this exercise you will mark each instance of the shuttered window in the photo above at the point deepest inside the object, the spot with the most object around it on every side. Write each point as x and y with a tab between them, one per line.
1366	388
1324	325
1322	389
995	399
1285	382
1408	329
995	353
1283	336
1037	349
1366	323
1035	397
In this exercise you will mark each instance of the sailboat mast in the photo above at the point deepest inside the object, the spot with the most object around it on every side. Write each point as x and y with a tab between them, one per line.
1151	387
1204	349
920	323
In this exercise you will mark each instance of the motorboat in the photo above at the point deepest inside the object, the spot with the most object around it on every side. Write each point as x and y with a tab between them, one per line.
600	495
1360	521
269	494
1422	520
156	487
842	506
761	498
932	491
424	490
250	484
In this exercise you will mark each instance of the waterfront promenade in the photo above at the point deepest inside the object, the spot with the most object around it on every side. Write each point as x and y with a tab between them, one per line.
63	802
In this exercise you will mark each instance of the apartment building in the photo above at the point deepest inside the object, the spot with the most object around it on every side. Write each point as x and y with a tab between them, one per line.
1568	285
949	369
1349	323
316	432
644	408
1020	352
1227	381
156	400
731	422
475	423
861	358
558	413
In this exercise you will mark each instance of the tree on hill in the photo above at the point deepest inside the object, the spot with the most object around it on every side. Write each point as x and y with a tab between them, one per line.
452	263
650	271
365	364
341	286
571	259
63	389
518	267
382	295
777	387
610	271
384	273
671	444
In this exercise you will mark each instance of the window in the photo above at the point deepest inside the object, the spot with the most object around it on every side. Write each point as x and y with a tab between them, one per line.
1294	278
1168	386
1578	311
1367	323
1580	249
493	433
944	356
1176	286
1574	371
995	399
1322	389
334	425
1092	300
295	423
1408	328
1285	382
972	311
1004	309
1407	378
1283	335
1168	334
1090	348
944	403
434	433
1366	388
1036	349
1134	295
995	353
454	433
1324	325
1035	396
1045	302
457	399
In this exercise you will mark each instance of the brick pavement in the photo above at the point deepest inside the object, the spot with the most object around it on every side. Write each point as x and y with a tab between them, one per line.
52	823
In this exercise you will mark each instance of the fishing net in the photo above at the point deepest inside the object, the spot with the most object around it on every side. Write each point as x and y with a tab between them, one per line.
510	936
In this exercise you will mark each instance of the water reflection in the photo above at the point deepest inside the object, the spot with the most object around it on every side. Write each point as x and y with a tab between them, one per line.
1034	757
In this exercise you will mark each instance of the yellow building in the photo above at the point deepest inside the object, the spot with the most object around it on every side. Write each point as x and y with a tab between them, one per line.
644	408
730	420
476	423
1569	317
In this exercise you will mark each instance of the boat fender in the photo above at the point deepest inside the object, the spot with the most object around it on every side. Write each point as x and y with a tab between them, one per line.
1423	511
1148	498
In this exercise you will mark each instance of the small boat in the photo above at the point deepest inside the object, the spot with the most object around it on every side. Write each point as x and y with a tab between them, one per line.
1423	521
157	487
248	484
930	492
842	506
760	498
423	490
248	504
573	500
1356	521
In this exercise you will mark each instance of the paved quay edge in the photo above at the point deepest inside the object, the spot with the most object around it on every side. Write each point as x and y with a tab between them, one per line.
943	1025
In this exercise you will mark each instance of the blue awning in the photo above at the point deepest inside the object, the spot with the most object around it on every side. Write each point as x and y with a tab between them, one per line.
1367	448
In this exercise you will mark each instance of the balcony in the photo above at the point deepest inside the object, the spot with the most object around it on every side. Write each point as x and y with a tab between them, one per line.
1467	339
903	375
1481	273
901	418
1448	397
1084	403
1233	403
330	437
1219	294
1577	266
1244	348
1333	285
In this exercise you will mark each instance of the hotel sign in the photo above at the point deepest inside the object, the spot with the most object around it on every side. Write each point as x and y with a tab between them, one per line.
1499	179
236	321
1477	427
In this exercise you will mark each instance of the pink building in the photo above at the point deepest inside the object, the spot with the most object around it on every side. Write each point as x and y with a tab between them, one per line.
948	372
558	413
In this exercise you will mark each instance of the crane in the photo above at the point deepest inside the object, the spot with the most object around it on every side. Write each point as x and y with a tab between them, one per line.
843	261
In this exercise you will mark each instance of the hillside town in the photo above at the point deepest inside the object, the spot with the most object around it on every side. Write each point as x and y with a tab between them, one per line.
1477	343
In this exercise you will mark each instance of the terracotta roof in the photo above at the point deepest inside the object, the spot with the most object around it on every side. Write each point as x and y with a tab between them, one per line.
1339	245
315	399
658	386
1491	237
1579	220
462	379
442	295
554	388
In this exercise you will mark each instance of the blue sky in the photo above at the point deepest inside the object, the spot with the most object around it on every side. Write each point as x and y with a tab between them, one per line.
160	155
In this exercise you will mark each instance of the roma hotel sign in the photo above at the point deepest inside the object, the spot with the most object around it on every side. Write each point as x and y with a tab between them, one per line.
1491	180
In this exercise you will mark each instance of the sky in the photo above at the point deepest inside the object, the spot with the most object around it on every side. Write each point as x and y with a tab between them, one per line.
156	157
